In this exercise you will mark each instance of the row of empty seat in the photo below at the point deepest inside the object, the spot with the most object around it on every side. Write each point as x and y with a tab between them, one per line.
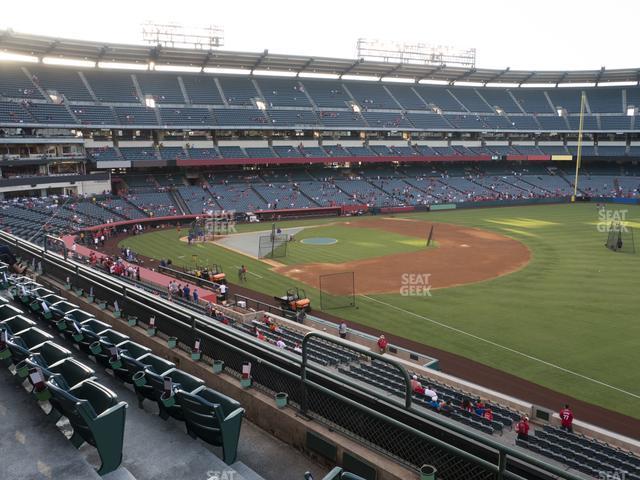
39	82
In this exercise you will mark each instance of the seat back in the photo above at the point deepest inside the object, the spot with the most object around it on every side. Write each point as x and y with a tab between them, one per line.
52	353
156	364
155	382
72	371
79	315
63	307
95	326
111	337
133	349
9	311
227	404
32	337
16	324
185	381
201	417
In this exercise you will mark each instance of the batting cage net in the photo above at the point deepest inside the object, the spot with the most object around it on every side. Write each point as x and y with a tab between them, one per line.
337	290
620	238
273	246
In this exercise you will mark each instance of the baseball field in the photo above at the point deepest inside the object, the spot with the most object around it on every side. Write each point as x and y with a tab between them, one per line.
531	291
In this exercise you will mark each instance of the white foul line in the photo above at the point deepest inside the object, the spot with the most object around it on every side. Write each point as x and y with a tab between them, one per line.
503	347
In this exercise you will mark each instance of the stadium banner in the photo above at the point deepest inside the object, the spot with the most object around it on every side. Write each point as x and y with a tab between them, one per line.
561	158
114	164
528	158
444	206
397	209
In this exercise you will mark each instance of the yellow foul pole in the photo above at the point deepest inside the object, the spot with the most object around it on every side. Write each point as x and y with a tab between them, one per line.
579	157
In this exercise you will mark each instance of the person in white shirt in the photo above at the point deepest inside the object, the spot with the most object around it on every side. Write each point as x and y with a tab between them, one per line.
280	344
222	289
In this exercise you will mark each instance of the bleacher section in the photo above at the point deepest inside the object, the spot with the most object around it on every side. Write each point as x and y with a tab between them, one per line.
299	103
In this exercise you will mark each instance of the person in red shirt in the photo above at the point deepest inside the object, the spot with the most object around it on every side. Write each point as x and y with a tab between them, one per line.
382	344
416	386
488	414
522	428
566	419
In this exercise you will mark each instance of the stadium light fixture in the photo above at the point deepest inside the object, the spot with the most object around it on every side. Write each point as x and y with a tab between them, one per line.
177	68
397	80
14	57
123	66
332	76
364	78
428	81
500	85
468	84
274	73
69	62
576	85
230	71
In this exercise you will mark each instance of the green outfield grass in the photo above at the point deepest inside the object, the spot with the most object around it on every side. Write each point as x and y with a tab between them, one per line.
568	321
353	244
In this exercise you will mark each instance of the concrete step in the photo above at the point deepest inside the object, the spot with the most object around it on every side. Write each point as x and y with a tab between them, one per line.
244	472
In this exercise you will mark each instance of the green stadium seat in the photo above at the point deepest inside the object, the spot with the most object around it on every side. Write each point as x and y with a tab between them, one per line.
50	353
96	417
72	372
60	309
9	311
16	324
30	339
90	330
212	417
138	368
129	353
108	339
181	380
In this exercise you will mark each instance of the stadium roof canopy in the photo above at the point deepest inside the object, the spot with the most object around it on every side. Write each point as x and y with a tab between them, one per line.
42	46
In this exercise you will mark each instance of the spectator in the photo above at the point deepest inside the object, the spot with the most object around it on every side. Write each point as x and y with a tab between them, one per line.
429	392
382	345
6	255
297	348
445	408
522	428
434	403
488	414
242	273
186	292
195	296
222	293
566	419
280	344
416	386
342	330
479	407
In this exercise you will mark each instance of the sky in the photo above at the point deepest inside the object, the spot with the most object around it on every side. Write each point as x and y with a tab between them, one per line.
541	35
